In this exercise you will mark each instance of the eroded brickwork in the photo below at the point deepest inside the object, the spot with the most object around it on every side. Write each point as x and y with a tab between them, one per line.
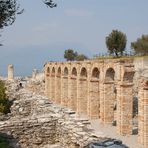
99	89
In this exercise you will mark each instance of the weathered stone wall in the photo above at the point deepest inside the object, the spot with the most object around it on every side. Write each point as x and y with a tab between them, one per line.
94	88
37	123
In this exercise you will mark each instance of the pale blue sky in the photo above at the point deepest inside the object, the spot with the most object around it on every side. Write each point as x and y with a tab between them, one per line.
42	34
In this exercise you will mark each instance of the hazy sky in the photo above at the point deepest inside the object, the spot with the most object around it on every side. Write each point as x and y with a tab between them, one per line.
42	34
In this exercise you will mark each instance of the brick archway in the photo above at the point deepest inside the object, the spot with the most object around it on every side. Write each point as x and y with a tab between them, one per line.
94	94
73	88
83	91
58	85
65	99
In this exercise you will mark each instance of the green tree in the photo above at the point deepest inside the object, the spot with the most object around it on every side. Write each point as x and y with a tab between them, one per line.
116	42
70	55
141	45
4	102
81	57
8	11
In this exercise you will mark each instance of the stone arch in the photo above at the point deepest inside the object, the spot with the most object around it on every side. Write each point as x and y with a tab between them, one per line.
74	71
58	85
65	71
59	71
83	72
73	88
110	97
83	92
53	71
94	94
48	70
95	73
128	77
65	100
110	74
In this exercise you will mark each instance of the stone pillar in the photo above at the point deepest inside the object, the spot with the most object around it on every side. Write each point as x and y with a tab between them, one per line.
10	72
101	88
143	114
109	98
47	85
124	108
52	87
58	90
94	99
73	93
82	96
65	91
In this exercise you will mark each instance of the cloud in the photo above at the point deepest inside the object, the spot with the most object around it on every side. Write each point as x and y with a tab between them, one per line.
79	13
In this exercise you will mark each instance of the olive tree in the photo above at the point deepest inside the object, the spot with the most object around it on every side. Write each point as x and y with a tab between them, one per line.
116	42
141	45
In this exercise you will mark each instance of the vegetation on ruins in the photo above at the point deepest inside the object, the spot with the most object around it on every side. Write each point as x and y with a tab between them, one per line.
141	46
71	55
81	57
4	102
116	43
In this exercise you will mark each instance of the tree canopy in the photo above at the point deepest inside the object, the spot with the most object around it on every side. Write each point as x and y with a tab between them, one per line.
141	45
8	11
71	55
116	42
81	57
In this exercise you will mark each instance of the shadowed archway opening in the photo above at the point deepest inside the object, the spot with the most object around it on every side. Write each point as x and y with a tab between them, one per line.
74	72
83	73
110	75
110	97
94	94
48	71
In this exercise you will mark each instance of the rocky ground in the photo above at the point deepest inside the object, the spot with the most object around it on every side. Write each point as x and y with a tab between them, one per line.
35	122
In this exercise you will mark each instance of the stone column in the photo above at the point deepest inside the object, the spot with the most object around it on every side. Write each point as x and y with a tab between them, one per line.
73	93
94	99
109	98
10	72
65	91
101	90
58	90
143	114
124	108
52	87
47	85
82	96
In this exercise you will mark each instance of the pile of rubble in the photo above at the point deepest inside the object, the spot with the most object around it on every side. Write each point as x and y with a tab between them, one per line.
35	122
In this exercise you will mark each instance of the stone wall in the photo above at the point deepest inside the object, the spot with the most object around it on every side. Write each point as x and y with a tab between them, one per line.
35	122
94	88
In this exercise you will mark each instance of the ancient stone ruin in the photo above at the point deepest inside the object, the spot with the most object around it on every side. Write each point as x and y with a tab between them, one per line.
102	89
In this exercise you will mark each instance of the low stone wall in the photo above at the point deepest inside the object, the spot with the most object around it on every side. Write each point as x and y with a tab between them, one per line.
37	123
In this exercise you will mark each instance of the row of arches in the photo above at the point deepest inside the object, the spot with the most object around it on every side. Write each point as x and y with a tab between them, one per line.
110	73
94	90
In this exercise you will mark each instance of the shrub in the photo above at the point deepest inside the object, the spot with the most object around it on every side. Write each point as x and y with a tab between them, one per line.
4	102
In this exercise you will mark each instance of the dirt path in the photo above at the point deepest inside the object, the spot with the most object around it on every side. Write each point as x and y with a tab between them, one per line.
110	131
